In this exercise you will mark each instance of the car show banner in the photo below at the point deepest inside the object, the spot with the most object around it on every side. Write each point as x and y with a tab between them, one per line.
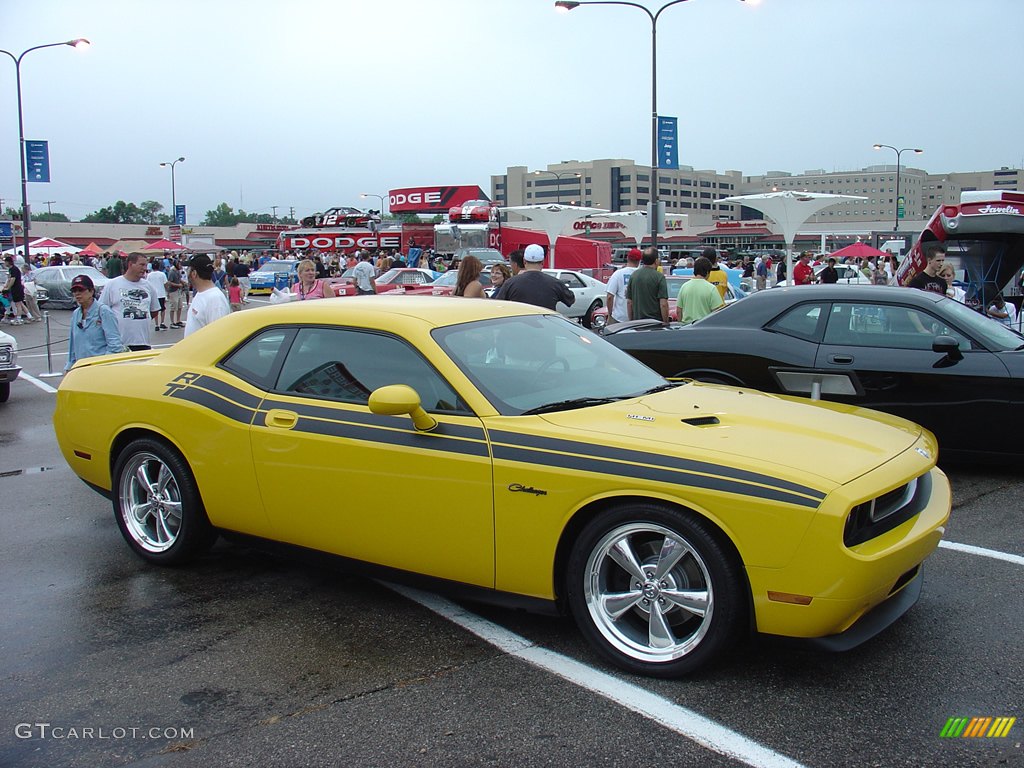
432	199
668	143
37	158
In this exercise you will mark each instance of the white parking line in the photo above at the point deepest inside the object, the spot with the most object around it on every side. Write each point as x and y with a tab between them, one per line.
982	552
679	719
41	384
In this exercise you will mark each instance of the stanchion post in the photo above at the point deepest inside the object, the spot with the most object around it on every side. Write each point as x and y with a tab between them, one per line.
49	362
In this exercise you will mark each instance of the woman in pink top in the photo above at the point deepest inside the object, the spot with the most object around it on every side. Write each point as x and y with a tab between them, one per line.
309	287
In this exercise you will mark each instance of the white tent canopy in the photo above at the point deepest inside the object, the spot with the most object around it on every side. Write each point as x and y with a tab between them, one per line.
790	210
634	222
46	245
554	218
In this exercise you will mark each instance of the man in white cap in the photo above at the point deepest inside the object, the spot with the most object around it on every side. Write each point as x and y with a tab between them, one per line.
533	285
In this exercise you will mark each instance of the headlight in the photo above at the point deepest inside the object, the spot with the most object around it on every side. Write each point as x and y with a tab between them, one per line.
6	355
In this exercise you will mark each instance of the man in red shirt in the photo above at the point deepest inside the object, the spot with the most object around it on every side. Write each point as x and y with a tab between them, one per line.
803	274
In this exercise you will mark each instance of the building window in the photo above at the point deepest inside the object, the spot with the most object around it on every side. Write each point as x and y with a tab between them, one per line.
642	177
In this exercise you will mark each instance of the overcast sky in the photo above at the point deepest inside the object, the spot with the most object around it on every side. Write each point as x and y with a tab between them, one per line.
308	104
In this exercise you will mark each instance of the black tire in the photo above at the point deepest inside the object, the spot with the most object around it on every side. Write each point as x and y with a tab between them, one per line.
619	614
5	391
157	504
588	316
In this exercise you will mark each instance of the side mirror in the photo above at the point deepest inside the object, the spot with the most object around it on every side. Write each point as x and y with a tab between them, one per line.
947	345
398	399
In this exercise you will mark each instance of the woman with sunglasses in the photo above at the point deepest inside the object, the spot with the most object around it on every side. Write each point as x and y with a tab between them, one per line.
93	325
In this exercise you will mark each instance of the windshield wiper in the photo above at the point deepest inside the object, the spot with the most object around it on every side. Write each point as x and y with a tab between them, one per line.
663	387
576	402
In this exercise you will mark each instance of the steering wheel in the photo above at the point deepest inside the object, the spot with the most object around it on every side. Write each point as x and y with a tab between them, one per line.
554	361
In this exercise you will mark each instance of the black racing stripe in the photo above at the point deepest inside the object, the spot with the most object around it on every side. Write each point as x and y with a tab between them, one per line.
424	440
371	419
215	403
227	391
671	462
661	475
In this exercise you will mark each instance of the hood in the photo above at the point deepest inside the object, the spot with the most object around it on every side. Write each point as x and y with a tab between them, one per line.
749	429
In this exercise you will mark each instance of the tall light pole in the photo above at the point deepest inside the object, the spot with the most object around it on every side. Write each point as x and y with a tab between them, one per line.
558	177
25	216
379	197
896	217
174	199
568	5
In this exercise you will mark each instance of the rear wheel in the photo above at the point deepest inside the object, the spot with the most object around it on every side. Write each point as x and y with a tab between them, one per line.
157	504
654	591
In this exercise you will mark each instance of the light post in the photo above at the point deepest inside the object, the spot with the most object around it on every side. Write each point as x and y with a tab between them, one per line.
896	226
568	5
25	217
174	199
379	197
558	180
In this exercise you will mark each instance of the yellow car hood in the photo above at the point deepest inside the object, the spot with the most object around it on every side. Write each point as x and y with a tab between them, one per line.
832	442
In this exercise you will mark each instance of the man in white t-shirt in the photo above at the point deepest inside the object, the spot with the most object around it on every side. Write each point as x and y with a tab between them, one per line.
159	280
615	298
209	303
362	276
133	299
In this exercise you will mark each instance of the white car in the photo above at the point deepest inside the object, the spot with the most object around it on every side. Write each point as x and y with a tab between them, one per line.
589	292
848	274
9	369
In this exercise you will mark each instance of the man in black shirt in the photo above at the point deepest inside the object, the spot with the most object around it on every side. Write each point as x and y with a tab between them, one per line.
829	274
929	279
241	270
533	285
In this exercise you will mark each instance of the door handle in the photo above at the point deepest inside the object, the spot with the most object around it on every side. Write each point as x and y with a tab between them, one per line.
282	419
840	359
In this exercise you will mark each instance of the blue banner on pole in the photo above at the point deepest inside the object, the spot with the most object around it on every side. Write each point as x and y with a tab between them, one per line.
668	143
37	158
179	215
6	230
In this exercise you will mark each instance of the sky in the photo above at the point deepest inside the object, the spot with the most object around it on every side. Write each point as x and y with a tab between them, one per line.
306	105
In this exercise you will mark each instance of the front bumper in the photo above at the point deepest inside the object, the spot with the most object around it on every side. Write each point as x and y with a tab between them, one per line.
7	375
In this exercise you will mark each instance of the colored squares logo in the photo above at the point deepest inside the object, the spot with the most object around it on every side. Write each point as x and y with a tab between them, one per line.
977	727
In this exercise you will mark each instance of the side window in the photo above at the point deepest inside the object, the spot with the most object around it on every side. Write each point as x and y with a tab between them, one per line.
801	321
886	325
347	365
570	280
255	360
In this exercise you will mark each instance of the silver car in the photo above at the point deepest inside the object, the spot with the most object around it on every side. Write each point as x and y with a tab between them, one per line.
56	281
9	369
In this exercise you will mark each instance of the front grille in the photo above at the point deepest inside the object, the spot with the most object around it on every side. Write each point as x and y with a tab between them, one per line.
879	515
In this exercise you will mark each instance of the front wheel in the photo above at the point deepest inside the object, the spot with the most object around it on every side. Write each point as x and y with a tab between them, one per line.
653	590
588	316
157	504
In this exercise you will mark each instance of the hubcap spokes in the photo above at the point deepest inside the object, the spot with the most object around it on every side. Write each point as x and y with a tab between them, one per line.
151	501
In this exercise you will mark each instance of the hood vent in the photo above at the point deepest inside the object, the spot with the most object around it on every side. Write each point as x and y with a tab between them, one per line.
702	421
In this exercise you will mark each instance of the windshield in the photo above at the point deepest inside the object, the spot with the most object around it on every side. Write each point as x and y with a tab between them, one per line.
523	363
993	335
278	264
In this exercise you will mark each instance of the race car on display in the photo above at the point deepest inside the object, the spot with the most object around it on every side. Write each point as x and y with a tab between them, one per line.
276	273
342	216
540	467
473	210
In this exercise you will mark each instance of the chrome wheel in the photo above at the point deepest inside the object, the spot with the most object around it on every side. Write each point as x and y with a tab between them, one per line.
150	502
649	592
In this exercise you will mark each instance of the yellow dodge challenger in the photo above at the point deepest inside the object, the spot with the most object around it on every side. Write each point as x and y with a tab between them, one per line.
507	454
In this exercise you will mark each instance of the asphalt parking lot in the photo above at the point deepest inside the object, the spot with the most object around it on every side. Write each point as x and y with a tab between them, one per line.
247	658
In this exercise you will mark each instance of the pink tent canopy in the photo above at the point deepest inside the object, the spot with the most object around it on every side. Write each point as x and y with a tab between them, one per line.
857	251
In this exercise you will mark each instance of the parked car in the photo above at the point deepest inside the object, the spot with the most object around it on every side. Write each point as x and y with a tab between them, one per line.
55	283
342	216
849	274
9	369
911	353
398	279
539	466
264	279
675	282
487	256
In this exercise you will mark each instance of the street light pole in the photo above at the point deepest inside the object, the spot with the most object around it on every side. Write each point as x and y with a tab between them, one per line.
379	197
25	216
558	181
174	199
568	5
896	217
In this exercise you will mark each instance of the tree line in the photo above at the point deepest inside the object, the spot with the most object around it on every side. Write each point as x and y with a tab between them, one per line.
152	213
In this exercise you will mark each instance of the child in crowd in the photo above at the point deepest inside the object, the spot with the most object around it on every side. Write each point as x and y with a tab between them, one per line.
235	294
